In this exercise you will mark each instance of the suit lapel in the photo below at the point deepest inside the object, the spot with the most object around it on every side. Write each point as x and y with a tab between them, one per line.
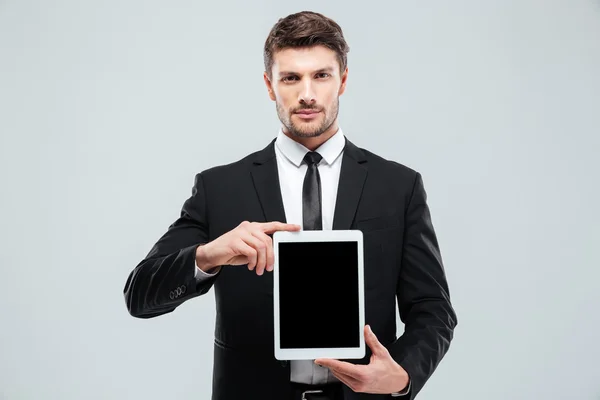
350	186
266	182
352	177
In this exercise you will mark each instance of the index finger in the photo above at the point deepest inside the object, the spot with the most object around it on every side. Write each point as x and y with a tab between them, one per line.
269	227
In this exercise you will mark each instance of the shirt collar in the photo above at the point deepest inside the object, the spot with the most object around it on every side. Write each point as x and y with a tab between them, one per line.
295	152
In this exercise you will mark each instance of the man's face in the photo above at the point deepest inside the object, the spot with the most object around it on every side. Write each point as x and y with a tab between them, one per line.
305	86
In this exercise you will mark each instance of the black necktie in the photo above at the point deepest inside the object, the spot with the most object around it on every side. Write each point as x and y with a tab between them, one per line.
311	193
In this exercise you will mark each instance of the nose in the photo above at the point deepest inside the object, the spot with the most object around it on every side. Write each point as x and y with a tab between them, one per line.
307	95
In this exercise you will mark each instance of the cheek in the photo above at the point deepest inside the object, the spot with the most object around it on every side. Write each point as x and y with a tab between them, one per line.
282	93
328	99
283	101
283	106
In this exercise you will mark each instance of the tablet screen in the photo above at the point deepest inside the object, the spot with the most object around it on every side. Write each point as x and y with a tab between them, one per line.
318	294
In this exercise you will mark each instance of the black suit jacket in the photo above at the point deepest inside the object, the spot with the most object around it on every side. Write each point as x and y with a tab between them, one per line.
382	198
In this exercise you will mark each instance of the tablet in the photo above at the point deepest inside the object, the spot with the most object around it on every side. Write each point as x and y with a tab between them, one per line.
318	294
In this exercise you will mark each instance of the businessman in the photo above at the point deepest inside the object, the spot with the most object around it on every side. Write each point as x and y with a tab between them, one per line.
310	176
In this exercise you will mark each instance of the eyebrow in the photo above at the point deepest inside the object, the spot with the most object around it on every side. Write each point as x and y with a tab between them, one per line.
326	69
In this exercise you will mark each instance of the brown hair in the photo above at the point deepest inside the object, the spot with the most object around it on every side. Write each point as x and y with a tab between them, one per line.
303	29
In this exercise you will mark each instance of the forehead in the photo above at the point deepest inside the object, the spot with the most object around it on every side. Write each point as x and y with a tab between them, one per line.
304	59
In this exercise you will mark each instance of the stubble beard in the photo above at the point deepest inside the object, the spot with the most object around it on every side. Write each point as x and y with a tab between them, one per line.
306	130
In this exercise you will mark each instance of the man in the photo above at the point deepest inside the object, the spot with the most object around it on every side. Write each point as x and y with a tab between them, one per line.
309	177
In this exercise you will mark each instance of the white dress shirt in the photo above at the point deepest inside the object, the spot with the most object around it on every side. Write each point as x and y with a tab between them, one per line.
292	169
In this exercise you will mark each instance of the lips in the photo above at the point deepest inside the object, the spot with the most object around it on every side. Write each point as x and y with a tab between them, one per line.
307	112
307	115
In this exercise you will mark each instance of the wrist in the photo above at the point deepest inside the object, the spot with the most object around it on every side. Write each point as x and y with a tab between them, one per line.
403	379
202	260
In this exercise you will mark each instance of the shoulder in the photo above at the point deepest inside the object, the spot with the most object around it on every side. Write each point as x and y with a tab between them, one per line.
394	169
235	168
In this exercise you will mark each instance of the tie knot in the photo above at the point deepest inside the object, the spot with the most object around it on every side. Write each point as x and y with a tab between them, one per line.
312	157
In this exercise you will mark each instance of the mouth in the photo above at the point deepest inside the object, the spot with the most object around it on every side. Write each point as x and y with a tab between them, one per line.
307	114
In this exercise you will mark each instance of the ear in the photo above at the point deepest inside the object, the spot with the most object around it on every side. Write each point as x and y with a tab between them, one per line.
269	86
343	82
344	79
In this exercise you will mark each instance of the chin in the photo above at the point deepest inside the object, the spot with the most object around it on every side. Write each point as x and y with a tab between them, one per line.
306	129
307	134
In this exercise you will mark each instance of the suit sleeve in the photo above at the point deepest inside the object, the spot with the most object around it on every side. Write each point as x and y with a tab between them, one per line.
423	296
167	277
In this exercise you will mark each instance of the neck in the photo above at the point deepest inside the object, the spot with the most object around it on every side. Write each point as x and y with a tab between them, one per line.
313	143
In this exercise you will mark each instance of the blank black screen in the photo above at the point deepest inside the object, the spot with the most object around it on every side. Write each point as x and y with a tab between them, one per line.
318	295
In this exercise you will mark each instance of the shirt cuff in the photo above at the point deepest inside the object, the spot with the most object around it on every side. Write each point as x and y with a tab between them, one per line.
403	392
201	275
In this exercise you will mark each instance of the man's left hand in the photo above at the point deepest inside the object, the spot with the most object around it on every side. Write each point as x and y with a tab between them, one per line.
382	375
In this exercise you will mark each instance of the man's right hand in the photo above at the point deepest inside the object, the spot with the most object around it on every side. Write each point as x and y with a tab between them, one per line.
248	243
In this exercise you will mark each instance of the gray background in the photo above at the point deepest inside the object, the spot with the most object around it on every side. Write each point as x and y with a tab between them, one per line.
108	109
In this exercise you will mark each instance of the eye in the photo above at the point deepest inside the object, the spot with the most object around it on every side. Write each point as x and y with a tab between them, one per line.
288	78
323	75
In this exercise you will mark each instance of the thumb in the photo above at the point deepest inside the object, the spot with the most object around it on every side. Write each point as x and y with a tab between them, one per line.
376	347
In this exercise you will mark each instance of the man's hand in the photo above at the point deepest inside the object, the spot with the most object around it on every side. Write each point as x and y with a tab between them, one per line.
248	243
381	376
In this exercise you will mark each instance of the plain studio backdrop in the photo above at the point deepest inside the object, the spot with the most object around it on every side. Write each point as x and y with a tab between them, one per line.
108	109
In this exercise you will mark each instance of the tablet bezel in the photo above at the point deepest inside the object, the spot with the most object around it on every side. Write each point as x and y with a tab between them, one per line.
320	236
